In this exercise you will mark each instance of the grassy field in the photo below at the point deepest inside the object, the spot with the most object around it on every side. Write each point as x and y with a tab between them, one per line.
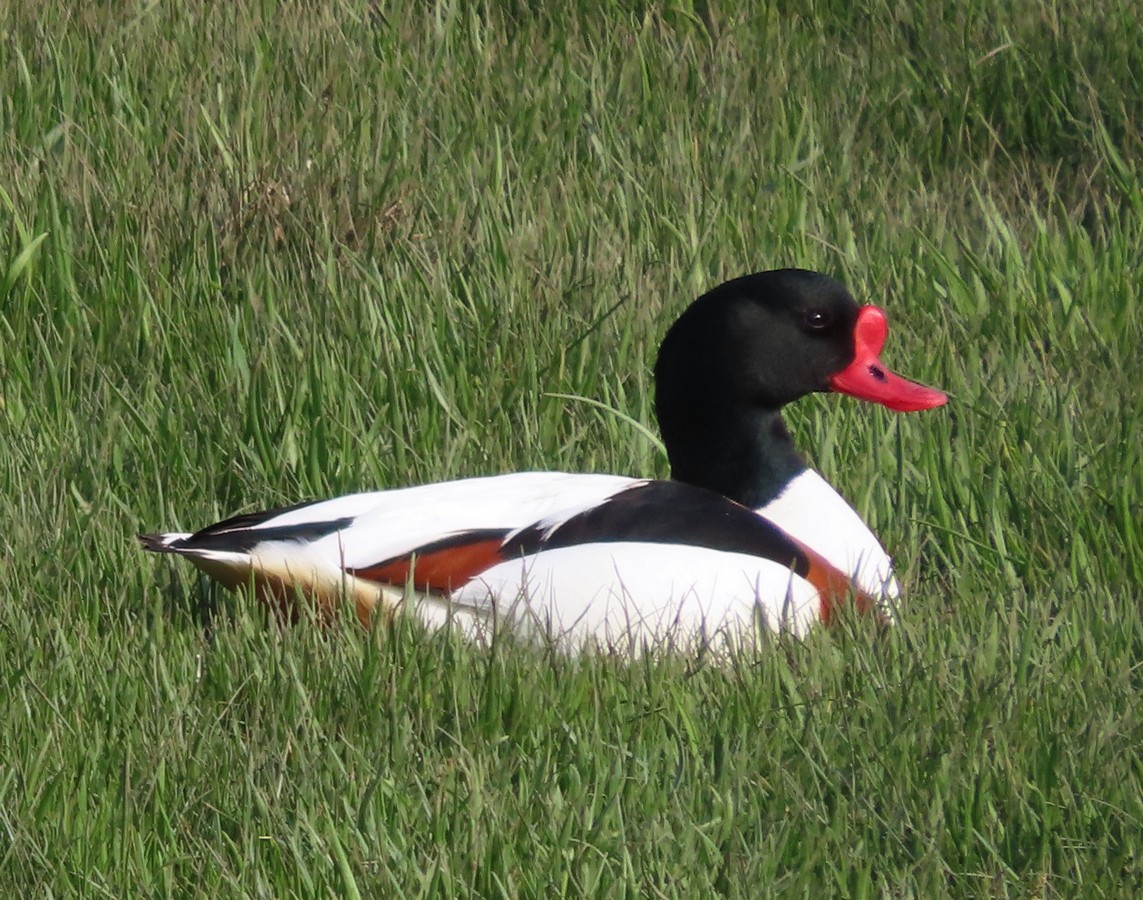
253	253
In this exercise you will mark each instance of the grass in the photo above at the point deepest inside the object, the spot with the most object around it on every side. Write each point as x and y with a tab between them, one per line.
253	253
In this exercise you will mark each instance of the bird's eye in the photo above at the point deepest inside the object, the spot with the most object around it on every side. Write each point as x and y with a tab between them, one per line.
816	320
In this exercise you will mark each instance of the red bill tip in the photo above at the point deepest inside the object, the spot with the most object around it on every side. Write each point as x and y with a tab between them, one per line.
867	377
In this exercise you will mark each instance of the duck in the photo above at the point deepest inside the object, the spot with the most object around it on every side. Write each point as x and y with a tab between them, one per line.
744	537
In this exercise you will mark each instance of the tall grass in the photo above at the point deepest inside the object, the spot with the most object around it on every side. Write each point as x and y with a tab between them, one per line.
257	252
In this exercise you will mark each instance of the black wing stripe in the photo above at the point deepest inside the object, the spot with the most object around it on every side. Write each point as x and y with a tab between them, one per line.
240	534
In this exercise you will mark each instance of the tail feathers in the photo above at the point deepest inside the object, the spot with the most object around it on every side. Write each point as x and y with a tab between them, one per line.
163	543
283	573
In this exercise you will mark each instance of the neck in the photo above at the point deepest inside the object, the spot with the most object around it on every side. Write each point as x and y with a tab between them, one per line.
744	454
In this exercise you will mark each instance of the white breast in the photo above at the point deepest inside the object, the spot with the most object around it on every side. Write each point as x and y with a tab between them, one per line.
812	512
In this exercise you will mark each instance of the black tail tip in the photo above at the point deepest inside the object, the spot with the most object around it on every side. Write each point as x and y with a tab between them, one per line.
157	543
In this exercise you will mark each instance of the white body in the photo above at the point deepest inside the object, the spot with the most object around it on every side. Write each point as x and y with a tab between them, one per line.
631	597
618	595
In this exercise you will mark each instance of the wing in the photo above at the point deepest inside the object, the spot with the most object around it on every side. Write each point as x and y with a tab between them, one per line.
318	545
358	529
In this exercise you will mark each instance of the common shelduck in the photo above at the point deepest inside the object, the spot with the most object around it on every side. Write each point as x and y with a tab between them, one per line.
743	535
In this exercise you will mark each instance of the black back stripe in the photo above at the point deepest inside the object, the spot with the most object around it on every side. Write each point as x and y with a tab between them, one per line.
667	512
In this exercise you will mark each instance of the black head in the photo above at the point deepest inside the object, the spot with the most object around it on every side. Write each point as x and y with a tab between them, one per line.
762	340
